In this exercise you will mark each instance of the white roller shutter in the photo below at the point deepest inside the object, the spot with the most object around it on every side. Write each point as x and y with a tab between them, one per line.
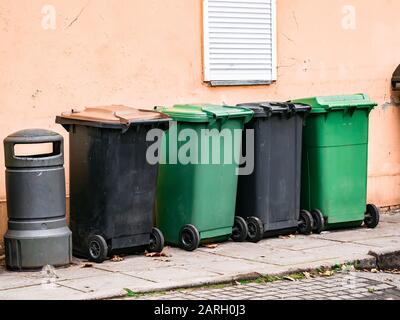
239	41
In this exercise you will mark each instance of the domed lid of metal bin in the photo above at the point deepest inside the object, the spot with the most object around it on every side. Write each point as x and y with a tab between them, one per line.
33	136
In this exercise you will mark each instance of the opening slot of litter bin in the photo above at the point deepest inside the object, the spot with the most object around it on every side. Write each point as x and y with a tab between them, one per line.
37	150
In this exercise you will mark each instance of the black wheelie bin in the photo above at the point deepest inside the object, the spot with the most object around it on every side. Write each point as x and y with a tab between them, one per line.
112	185
269	198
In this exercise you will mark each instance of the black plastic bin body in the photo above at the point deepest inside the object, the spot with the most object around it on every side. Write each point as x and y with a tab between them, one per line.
112	185
272	192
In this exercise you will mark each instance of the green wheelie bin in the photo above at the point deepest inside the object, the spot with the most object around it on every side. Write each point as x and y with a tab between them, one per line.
196	196
335	162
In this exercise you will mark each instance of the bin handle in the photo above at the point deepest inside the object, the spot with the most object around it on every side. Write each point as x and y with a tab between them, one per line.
223	116
121	115
126	122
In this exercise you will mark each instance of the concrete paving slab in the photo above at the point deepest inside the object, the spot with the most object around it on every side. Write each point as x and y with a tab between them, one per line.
383	230
102	285
71	273
390	218
40	292
134	263
17	280
172	275
251	252
389	242
297	243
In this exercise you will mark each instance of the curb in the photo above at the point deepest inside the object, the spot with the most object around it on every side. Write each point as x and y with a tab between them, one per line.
386	259
183	285
221	280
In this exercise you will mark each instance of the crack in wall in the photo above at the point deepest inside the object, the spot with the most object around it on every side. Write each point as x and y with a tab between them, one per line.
79	15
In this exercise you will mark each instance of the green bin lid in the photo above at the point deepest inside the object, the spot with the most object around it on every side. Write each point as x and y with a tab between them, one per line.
205	112
341	102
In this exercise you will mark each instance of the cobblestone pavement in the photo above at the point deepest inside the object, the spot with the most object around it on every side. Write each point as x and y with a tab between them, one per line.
342	286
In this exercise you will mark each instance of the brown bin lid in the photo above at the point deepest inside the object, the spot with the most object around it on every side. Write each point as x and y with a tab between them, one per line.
115	114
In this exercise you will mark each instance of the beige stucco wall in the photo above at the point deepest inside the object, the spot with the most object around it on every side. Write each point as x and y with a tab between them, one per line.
149	52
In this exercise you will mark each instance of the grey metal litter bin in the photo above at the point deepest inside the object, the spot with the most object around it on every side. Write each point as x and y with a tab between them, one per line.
35	184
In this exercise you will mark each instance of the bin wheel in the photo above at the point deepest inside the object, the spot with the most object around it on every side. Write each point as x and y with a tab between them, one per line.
372	216
97	249
305	222
156	241
318	221
189	238
239	230
256	229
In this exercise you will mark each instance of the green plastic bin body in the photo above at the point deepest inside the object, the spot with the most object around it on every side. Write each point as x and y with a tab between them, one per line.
335	158
203	195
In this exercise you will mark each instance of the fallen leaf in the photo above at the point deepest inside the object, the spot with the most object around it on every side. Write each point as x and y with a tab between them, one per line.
117	259
163	253
348	268
211	246
307	275
291	236
152	254
327	273
374	270
289	279
87	265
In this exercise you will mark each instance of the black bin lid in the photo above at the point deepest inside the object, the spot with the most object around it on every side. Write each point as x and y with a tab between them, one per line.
268	109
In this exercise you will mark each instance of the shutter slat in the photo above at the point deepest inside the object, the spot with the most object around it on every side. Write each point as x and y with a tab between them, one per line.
244	31
239	36
239	40
240	51
233	15
215	26
262	21
241	60
238	46
263	2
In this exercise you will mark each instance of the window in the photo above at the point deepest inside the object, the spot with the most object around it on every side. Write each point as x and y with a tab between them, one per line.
239	41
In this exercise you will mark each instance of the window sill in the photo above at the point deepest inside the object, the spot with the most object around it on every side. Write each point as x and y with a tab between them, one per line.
230	83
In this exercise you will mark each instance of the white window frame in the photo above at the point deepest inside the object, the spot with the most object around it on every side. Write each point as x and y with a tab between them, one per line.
206	53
